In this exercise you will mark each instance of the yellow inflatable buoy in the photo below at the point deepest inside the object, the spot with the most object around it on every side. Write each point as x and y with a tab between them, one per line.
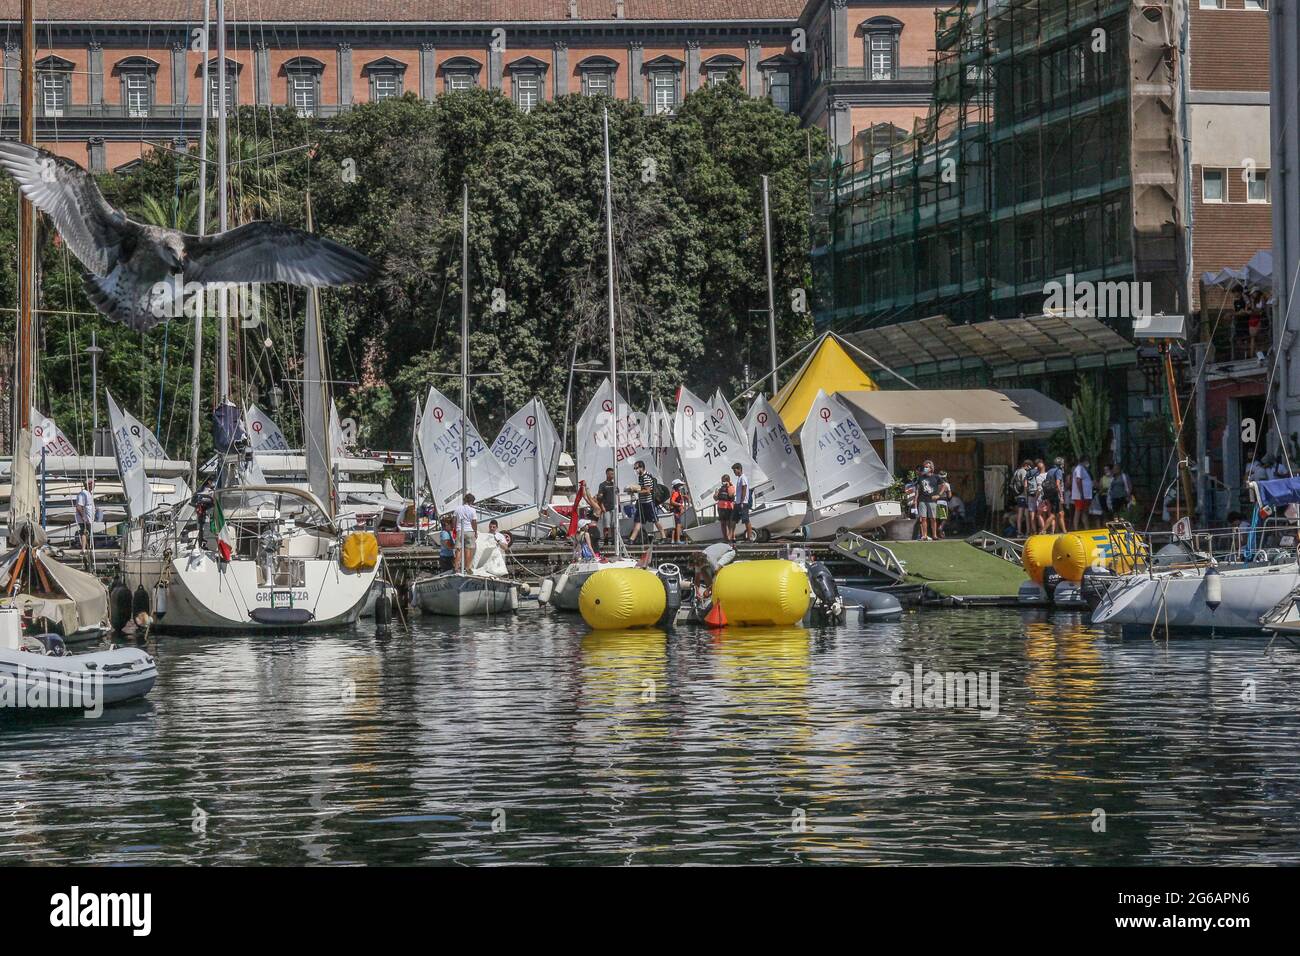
1037	555
614	599
1074	553
360	551
771	592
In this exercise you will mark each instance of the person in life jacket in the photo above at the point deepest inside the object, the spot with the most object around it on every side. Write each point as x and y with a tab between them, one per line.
725	497
677	502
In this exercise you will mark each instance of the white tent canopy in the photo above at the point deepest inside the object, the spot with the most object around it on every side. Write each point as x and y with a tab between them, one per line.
957	412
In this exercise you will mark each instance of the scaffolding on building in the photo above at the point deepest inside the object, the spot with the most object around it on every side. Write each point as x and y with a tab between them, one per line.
1027	168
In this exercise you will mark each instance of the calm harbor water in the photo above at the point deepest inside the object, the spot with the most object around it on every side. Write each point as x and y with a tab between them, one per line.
529	740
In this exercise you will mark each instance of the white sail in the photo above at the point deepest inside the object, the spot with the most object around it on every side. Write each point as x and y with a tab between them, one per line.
440	447
659	436
773	449
24	497
338	442
128	448
759	481
839	462
528	448
417	460
47	437
316	408
263	433
598	435
707	446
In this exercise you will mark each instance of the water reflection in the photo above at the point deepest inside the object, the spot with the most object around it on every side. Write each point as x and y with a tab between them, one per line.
530	739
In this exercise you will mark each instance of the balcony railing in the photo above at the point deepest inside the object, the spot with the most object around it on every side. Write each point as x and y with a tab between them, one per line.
901	74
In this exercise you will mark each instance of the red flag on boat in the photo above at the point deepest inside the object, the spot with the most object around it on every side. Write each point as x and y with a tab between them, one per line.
577	501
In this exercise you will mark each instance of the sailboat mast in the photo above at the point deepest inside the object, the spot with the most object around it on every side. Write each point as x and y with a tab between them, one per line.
24	366
196	383
223	302
771	292
464	352
613	358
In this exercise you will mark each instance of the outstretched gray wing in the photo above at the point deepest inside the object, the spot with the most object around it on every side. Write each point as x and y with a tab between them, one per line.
271	252
65	192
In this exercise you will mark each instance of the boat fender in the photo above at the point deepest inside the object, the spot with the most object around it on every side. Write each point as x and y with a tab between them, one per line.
383	610
1213	588
119	606
823	583
140	601
545	590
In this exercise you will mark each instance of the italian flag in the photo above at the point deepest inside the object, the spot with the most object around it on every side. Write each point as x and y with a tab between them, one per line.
224	532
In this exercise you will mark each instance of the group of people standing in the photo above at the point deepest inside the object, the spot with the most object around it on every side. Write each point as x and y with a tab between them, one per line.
1054	499
932	499
733	501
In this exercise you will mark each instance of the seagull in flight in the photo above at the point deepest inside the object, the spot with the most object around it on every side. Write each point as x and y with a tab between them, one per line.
130	265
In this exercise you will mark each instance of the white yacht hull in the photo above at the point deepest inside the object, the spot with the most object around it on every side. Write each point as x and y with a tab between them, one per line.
1176	599
201	594
453	594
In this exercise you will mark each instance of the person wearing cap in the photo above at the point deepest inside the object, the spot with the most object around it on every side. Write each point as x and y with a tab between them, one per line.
678	499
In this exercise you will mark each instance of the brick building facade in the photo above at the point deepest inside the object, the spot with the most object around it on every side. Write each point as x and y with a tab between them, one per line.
116	77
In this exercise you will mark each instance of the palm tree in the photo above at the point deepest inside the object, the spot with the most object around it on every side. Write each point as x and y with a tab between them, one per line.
256	181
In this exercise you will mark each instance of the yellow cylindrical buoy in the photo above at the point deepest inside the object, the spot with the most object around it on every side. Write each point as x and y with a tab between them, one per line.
615	599
360	551
1074	553
1037	555
771	592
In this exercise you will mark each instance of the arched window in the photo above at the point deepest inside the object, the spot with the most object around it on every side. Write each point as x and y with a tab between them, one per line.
597	75
664	75
721	69
386	75
215	73
880	47
302	76
527	85
460	73
54	84
137	75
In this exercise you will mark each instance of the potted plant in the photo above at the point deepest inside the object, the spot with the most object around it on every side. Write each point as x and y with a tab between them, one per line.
902	528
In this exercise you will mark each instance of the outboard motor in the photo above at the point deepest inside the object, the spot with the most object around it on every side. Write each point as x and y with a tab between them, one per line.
1050	580
119	605
671	578
1096	581
827	605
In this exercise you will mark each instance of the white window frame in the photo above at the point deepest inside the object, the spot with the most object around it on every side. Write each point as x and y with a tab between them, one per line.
136	86
382	78
231	96
1223	185
880	48
458	80
54	91
720	75
604	78
302	81
521	93
1259	179
664	81
1212	4
1257	6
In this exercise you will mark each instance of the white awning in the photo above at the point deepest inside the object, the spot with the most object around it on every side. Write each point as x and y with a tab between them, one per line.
960	412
